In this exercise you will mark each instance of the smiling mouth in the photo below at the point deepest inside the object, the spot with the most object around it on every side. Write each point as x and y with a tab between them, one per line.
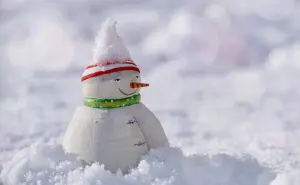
126	94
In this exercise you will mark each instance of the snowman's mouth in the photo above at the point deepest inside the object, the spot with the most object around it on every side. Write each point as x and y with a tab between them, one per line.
127	94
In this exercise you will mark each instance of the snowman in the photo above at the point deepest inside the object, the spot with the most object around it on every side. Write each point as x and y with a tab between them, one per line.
113	127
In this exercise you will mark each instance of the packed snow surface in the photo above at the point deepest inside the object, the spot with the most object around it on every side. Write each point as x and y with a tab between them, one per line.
224	81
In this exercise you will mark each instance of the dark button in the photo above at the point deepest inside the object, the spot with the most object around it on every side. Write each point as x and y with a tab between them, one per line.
140	143
131	121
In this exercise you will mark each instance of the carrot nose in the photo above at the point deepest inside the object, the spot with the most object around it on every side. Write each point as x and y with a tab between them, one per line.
138	85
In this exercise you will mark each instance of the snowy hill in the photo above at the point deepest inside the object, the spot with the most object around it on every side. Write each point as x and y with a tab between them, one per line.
223	81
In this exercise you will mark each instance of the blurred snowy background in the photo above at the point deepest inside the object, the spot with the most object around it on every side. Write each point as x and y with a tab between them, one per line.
224	78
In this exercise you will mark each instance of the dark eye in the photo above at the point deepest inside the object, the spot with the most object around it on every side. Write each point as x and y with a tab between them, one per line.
137	76
117	79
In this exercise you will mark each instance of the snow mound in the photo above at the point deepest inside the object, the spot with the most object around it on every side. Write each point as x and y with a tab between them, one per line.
38	164
47	164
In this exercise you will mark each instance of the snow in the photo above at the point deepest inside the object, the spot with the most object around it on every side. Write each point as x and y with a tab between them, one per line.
47	164
38	163
109	46
232	68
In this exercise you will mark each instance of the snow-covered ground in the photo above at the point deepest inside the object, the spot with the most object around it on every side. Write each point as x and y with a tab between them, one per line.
224	83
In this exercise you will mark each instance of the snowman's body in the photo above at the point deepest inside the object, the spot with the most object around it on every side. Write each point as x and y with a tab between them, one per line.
113	128
117	138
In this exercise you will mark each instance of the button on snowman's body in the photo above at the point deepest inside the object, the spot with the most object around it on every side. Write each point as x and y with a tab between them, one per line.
113	127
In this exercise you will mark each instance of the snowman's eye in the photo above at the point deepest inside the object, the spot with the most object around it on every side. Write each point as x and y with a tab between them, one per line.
117	79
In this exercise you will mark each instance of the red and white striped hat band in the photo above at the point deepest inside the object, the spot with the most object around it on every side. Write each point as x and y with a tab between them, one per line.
107	68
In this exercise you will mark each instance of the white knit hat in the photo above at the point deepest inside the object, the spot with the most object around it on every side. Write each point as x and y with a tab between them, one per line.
110	54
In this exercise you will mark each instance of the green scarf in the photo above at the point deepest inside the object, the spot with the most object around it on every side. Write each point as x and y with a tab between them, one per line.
111	103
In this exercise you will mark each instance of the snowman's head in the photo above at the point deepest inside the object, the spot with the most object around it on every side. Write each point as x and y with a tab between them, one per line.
115	85
111	74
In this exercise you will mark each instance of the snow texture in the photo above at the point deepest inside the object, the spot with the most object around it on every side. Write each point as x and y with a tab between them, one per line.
109	46
47	164
232	68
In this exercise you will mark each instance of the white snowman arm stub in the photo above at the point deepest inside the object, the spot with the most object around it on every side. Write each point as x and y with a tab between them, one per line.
151	128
